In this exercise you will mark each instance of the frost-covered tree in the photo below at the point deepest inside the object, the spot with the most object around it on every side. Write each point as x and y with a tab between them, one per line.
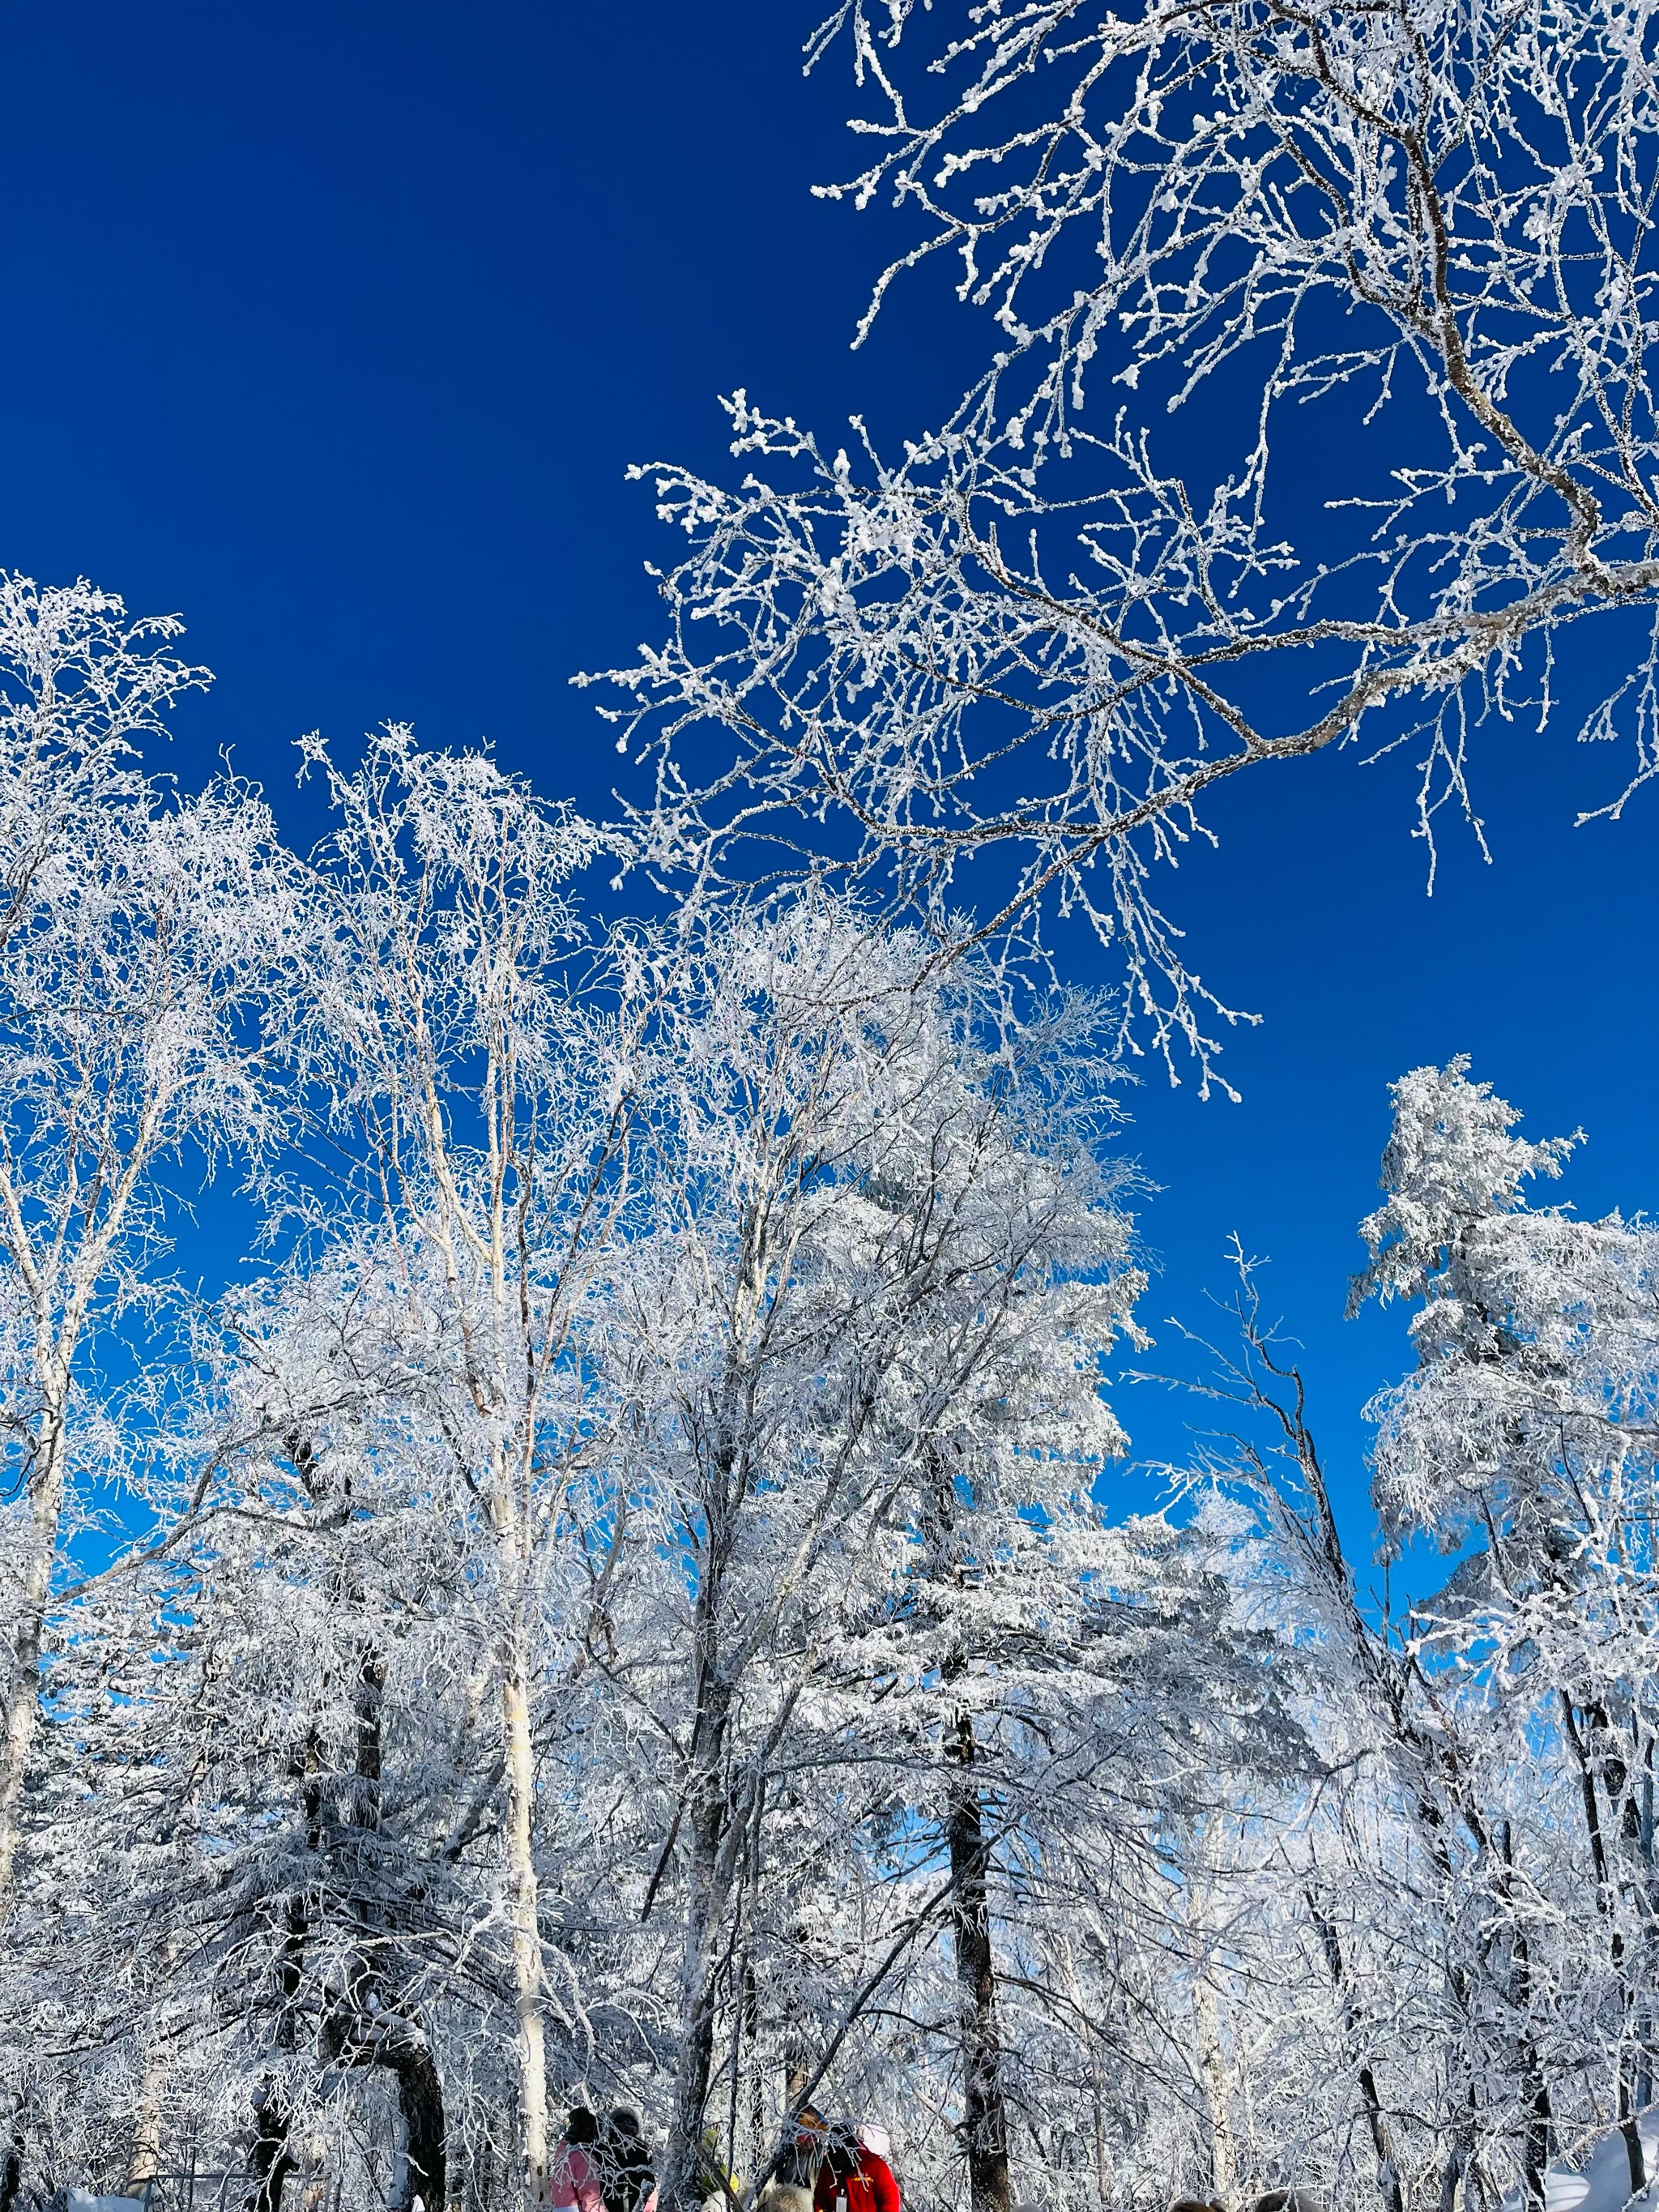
1063	1684
1526	1437
482	1100
1314	408
261	1742
142	938
626	1603
391	1454
1381	1904
909	1702
1472	1877
828	1653
852	1256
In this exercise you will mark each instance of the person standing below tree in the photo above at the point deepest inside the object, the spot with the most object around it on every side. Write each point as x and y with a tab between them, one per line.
627	2177
854	2176
800	2166
574	2179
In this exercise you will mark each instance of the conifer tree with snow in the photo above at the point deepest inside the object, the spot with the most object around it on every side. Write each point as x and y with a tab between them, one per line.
1525	1437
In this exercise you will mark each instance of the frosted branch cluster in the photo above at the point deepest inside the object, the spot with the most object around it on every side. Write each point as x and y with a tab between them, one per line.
1319	409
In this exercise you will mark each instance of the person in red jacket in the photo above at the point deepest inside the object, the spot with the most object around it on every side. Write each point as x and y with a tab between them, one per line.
854	2177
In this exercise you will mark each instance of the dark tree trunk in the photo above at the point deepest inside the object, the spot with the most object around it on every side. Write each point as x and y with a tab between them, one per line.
1458	2157
1618	1780
272	2161
1632	2134
1535	2144
1650	1904
985	2113
362	2029
708	1884
377	2033
11	2163
1388	2171
1535	2151
368	1700
711	1824
1613	1781
408	2055
756	2147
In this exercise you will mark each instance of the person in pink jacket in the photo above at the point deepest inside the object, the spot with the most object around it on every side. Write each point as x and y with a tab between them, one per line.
573	2178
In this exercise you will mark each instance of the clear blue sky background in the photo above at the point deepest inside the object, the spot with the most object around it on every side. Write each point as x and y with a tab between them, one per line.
333	327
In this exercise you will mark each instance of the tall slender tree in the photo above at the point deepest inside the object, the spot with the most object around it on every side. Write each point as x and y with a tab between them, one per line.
142	936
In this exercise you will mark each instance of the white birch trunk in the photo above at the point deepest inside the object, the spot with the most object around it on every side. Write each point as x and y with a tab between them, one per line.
1223	2159
23	1691
146	2161
523	1908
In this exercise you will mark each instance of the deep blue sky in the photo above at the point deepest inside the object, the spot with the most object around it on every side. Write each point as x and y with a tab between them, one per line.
333	328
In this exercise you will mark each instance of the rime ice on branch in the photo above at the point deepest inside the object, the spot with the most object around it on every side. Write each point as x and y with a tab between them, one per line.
1360	300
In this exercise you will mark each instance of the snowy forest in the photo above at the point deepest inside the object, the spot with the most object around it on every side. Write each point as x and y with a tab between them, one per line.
625	1595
